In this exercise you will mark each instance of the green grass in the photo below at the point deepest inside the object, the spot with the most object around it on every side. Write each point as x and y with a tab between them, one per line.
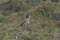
42	23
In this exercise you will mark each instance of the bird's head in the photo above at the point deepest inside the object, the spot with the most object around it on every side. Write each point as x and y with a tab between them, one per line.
27	16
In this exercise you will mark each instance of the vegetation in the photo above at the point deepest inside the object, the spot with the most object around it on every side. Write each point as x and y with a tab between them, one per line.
44	23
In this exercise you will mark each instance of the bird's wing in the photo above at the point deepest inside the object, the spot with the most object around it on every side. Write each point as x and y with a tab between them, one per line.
23	22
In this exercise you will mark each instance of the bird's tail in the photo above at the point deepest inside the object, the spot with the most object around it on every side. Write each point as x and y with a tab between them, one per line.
21	24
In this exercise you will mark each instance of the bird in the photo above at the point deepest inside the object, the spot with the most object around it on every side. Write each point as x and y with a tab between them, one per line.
26	21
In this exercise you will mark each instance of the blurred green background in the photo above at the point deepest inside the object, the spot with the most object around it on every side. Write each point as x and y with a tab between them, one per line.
44	22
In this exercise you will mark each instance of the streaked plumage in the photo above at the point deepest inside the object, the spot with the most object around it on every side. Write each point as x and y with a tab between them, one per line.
26	21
